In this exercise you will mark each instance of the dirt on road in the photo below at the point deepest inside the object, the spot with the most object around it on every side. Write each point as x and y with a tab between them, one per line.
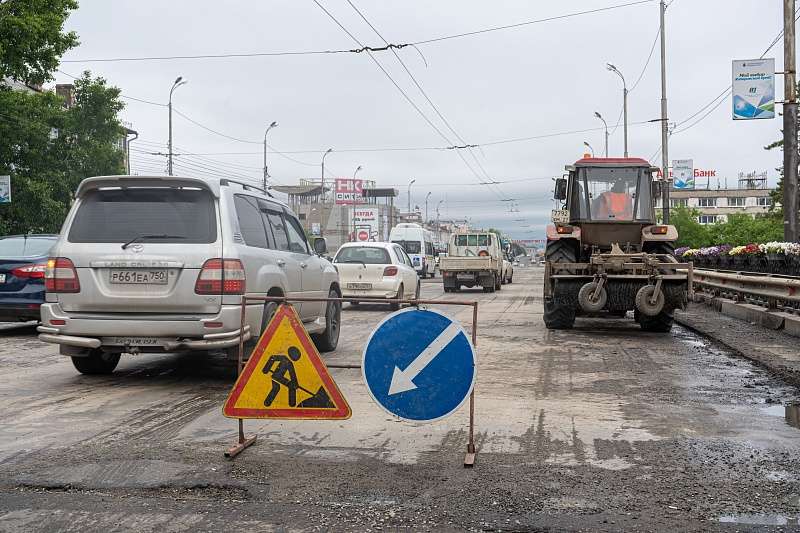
601	428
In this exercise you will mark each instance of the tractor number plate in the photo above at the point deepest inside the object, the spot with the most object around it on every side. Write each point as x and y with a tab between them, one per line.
560	216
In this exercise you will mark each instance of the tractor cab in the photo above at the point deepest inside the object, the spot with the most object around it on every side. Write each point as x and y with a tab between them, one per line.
611	200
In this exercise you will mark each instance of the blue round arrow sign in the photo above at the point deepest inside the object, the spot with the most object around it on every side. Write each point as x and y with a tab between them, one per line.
419	365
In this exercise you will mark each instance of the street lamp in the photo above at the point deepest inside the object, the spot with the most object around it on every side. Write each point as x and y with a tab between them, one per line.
180	81
438	228
323	171
606	125
273	125
613	69
426	209
356	172
354	207
409	197
590	147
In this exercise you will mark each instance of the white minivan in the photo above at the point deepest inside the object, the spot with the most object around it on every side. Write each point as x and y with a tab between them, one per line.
418	244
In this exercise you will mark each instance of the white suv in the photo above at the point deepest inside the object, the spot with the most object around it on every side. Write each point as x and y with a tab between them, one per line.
160	264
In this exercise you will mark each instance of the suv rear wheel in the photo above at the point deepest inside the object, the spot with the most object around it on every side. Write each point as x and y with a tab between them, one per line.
96	363
329	339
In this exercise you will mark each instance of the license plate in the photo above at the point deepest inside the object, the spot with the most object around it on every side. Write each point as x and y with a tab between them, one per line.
137	277
465	276
133	341
560	216
357	286
2	278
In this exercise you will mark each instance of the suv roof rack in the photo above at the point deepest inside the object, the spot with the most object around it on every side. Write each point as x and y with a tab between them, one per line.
245	186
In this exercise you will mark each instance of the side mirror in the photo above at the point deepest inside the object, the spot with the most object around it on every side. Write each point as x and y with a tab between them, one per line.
656	189
320	245
561	189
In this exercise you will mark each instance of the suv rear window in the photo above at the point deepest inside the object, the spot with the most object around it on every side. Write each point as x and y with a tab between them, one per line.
119	215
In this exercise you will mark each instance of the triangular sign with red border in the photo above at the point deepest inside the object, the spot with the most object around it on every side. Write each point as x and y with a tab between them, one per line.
285	377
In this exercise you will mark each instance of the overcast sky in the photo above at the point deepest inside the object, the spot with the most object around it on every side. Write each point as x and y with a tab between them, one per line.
525	95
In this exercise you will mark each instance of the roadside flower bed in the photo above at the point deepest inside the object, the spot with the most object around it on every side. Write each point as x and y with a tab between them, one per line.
773	257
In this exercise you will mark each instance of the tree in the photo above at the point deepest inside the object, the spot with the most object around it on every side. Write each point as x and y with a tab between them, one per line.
742	229
47	150
690	232
32	38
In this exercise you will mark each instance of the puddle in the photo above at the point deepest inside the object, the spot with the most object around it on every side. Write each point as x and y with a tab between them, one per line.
761	520
695	344
790	412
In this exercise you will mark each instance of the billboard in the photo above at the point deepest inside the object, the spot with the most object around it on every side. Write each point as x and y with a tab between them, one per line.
347	191
683	173
5	188
364	222
753	89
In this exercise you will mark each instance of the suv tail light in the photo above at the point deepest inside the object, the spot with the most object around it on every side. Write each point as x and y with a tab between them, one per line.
60	276
221	276
30	271
390	271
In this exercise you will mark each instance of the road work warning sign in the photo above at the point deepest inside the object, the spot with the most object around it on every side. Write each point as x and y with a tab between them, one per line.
285	377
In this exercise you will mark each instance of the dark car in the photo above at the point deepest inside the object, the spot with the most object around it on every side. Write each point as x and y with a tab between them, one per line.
23	261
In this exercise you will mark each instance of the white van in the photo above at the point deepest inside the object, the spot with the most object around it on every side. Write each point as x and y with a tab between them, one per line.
418	244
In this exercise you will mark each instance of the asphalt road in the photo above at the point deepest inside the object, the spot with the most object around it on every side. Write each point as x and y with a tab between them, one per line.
602	428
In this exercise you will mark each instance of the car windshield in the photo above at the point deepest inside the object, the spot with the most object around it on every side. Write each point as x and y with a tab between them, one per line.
363	254
123	215
411	247
22	246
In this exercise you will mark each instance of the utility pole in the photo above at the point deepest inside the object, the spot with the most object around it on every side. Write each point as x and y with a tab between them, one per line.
664	124
789	125
266	174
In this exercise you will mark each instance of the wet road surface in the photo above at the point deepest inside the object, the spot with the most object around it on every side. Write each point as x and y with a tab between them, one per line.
602	428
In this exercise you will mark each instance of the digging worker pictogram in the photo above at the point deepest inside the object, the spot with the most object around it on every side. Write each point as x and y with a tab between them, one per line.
283	375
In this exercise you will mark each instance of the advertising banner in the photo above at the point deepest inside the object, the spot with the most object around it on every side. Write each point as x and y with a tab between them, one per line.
365	223
5	188
347	191
683	173
753	89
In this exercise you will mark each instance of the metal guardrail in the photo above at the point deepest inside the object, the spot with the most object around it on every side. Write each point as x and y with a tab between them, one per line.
765	289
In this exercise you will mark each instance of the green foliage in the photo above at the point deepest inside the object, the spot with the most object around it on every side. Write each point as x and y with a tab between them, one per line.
742	229
739	230
45	169
690	232
777	192
32	38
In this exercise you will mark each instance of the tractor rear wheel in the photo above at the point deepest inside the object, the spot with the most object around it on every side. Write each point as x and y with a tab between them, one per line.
661	323
556	317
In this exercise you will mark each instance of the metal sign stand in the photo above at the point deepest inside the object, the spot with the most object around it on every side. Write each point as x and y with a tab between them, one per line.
469	459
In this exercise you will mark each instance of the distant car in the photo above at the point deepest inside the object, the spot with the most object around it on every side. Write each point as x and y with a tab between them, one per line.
516	262
23	261
380	270
508	269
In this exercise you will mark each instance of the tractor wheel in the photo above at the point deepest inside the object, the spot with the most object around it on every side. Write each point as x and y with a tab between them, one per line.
661	323
556	317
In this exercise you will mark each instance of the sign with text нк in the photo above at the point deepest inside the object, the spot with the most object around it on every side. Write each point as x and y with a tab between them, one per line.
348	191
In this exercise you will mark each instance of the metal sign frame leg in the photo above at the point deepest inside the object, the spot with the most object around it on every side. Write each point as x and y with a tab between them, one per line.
243	442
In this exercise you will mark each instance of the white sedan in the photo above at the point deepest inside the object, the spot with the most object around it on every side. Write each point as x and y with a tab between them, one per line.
380	270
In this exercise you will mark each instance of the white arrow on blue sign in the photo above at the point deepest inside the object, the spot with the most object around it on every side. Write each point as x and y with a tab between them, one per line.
419	365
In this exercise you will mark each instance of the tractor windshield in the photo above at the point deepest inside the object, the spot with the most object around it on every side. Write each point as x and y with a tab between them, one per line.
603	193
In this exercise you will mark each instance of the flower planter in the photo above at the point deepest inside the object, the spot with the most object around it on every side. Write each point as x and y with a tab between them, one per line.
739	262
725	262
756	264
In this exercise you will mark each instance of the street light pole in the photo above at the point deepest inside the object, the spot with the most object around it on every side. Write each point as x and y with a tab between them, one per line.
613	69
180	81
323	171
606	126
426	209
438	228
274	124
590	147
354	205
409	197
664	124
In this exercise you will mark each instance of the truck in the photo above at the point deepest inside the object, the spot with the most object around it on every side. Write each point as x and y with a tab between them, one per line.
474	259
606	254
